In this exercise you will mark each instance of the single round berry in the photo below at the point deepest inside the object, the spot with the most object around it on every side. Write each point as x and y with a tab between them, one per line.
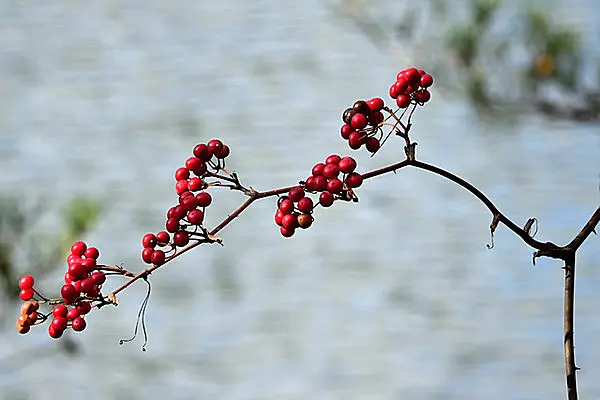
317	170
286	232
72	258
68	278
72	313
358	121
305	220
84	307
194	217
326	199
305	205
310	184
422	96
195	164
77	271
181	186
54	333
333	159
158	257
289	221
355	140
162	238
320	183
354	179
203	199
149	240
147	254
334	186
88	264
172	225
195	184
87	286
361	106
346	130
59	324
296	193
347	165
181	174
331	171
98	278
26	294
215	146
26	282
348	114
78	248
279	217
201	151
403	100
373	144
224	152
78	324
376	104
178	212
22	329
398	88
92	253
181	238
286	206
426	80
411	75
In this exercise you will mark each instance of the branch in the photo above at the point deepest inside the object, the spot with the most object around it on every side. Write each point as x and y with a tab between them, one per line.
569	307
585	231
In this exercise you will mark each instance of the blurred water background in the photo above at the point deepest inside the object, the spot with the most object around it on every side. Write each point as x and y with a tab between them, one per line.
394	298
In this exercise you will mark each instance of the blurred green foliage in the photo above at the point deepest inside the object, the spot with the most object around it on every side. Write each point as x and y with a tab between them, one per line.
23	249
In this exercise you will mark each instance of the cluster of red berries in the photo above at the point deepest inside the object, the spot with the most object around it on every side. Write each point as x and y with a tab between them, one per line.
184	218
295	209
83	282
361	124
411	85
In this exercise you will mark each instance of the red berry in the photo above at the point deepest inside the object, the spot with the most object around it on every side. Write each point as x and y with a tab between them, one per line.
181	186
77	285
26	282
181	238
86	286
98	278
68	278
376	104
289	221
375	118
305	205
203	199
59	324
194	217
195	184
305	220
286	206
69	292
73	313
53	332
223	153
355	140
88	264
373	144
195	164
149	240
310	184
399	87
411	75
347	165
318	169
178	212
162	238
84	307
172	225
181	174
215	146
426	80
320	183
77	271
334	186
331	171
72	258
59	311
201	151
358	121
422	96
279	217
326	199
286	232
92	252
147	254
394	90
78	248
158	257
78	324
26	294
403	100
333	159
296	193
346	131
354	179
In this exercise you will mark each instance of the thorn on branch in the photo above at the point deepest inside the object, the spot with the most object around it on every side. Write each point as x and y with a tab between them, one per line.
493	227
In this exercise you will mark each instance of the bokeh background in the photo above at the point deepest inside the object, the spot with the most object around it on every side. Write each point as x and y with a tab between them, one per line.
396	297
